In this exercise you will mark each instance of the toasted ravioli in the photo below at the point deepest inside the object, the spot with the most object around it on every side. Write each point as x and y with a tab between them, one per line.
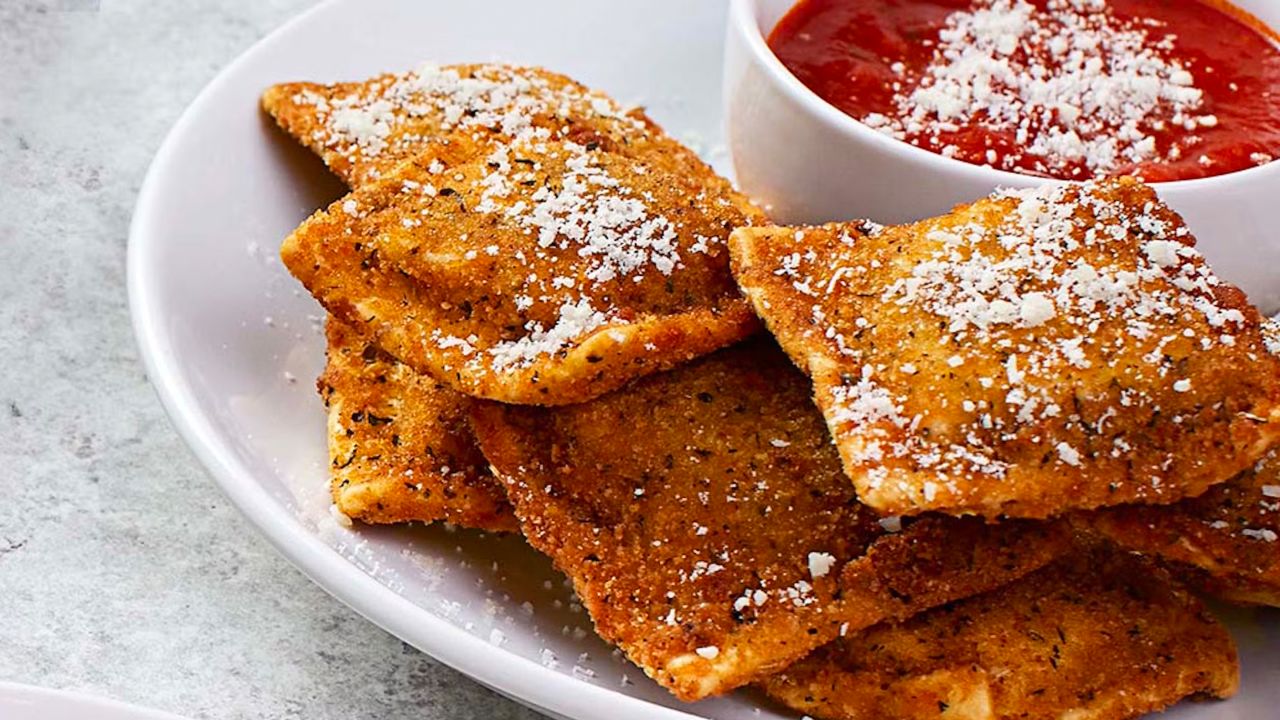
541	274
706	525
363	130
1031	353
1225	542
400	448
1097	637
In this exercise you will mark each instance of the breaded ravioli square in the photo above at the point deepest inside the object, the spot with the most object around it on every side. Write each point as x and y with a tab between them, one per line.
543	273
1031	353
400	446
363	130
705	523
1094	636
1225	543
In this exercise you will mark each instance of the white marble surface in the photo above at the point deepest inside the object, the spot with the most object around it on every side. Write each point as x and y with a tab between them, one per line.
123	570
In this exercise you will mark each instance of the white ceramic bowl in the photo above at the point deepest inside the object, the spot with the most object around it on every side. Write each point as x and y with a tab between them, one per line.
809	162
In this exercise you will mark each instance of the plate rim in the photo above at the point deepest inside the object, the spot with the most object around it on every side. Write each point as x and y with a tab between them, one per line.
11	691
514	676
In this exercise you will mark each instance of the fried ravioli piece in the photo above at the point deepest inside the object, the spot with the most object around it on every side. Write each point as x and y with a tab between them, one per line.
705	523
543	274
364	130
451	111
400	448
1225	543
1099	636
376	476
1034	352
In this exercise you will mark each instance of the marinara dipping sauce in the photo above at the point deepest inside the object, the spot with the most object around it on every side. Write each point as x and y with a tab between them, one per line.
1068	89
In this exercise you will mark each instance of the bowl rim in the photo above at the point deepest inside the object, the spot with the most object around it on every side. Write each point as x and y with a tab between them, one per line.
743	22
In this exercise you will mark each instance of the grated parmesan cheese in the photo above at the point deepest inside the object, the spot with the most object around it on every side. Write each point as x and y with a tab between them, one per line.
820	563
1076	90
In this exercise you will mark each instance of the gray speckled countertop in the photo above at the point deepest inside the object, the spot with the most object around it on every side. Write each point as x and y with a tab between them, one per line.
123	570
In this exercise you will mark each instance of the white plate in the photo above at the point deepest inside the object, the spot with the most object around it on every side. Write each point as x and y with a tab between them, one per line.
24	702
232	345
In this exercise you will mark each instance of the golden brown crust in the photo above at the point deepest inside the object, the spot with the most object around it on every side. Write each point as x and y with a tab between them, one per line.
704	520
1225	542
363	130
1028	354
1096	637
1238	589
421	105
541	274
400	448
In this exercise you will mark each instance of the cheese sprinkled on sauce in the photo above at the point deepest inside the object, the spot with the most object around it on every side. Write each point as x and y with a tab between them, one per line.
1075	84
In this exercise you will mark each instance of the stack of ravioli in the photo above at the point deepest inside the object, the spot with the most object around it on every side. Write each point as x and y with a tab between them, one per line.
980	466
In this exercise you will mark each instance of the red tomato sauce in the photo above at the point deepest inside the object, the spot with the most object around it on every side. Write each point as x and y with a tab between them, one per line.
1201	98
